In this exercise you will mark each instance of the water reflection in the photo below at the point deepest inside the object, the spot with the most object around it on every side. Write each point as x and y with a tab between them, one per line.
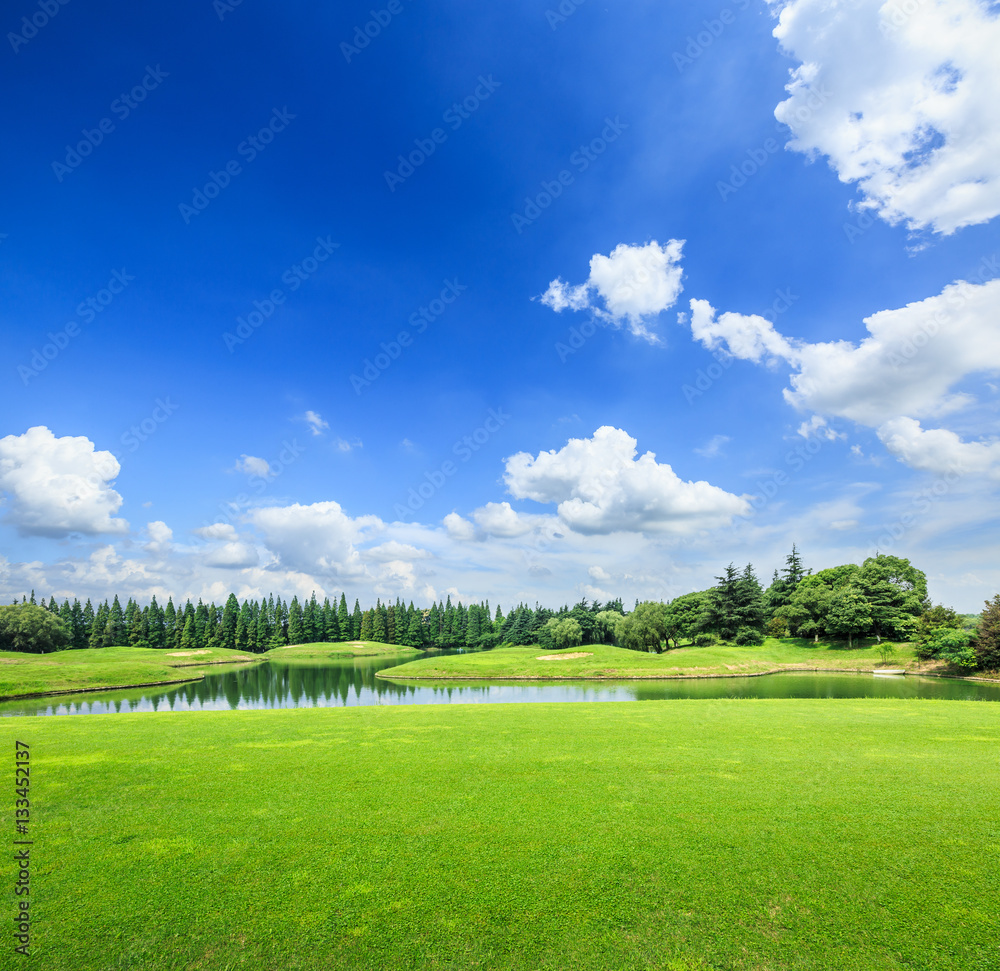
352	682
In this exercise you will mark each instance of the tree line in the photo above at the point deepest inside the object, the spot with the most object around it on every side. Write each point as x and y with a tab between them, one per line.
885	598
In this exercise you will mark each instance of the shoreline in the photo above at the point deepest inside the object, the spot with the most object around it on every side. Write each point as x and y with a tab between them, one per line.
669	677
79	691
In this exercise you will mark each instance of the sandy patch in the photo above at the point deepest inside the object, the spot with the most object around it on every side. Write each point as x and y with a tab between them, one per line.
186	653
563	657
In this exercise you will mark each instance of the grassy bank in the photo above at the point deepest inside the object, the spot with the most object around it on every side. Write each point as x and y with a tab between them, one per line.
23	675
602	662
341	649
648	835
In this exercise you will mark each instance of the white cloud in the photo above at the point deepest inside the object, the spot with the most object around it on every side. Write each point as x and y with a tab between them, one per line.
598	573
232	556
601	487
224	531
459	528
903	98
58	486
635	283
939	450
750	338
345	446
160	536
394	550
315	422
252	465
712	447
499	519
908	366
318	538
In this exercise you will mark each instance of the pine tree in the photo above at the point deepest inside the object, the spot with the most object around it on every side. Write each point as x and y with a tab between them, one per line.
99	627
415	631
264	629
155	630
170	631
296	629
230	618
357	619
343	620
244	624
79	626
200	625
378	623
366	625
188	634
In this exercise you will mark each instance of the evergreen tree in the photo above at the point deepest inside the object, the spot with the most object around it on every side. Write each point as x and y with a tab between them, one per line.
212	626
88	622
366	625
188	634
135	634
415	628
296	628
357	619
265	629
230	618
330	629
155	629
99	627
378	623
78	626
343	620
170	632
201	625
244	625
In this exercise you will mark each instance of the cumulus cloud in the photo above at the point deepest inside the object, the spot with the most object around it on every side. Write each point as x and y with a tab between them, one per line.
160	536
600	486
252	465
458	528
634	284
319	538
939	450
58	486
908	367
903	99
499	519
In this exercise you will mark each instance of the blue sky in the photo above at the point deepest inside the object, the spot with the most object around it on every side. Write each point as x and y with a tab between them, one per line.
265	463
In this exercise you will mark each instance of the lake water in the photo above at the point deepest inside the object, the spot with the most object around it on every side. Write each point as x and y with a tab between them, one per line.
335	684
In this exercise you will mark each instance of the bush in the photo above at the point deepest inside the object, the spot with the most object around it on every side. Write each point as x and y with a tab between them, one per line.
27	627
748	637
705	640
955	646
777	627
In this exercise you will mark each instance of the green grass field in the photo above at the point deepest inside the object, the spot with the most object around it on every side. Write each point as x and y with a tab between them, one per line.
757	835
23	675
617	663
324	650
109	667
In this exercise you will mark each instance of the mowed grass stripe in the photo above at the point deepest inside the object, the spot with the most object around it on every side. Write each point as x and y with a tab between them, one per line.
764	834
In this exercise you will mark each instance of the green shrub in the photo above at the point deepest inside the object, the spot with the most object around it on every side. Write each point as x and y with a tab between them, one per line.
748	637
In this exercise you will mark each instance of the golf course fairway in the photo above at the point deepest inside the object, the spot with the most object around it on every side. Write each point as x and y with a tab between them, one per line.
765	834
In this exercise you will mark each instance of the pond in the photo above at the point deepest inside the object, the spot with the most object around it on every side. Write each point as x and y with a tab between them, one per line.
339	683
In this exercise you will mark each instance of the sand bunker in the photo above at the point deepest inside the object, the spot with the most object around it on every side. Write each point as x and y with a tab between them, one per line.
186	653
563	657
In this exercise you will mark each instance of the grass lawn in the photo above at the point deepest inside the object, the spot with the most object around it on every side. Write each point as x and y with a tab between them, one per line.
339	649
617	663
109	667
855	835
